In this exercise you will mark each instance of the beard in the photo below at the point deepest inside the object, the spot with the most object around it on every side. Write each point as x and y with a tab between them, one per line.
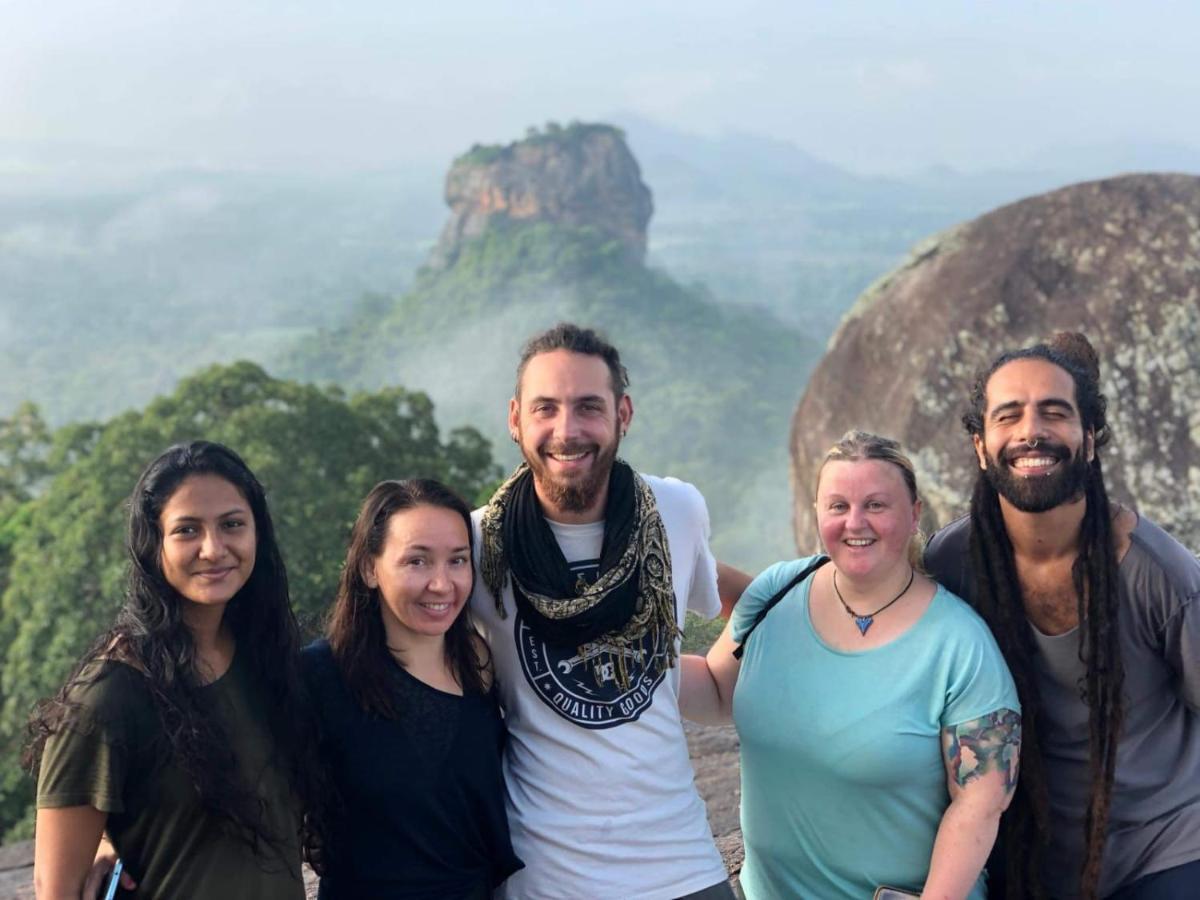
1039	494
573	494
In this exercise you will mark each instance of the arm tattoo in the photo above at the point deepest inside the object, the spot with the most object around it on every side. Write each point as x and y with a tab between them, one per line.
991	742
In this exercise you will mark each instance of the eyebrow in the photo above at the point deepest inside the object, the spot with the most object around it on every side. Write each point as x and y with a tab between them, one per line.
460	549
585	398
1048	403
236	511
874	495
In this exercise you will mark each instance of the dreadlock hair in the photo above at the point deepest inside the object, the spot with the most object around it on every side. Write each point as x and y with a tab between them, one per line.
151	635
997	597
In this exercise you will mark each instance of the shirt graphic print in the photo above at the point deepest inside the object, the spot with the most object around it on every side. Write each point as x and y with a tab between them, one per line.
584	687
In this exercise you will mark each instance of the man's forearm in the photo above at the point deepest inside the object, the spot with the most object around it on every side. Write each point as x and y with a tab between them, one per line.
731	583
699	696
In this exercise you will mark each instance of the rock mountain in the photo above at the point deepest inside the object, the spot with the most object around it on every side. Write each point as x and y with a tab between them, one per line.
1117	259
553	228
581	175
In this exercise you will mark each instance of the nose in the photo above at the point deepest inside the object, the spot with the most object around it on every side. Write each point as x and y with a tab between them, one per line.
439	580
212	545
566	425
1035	431
856	517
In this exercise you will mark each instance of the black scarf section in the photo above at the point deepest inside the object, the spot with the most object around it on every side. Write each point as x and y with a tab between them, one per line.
537	563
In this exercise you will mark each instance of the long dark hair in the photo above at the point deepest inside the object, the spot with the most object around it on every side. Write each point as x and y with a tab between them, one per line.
997	596
355	626
151	636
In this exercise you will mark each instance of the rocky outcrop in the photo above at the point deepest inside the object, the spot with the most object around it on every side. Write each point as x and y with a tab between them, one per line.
1117	259
581	175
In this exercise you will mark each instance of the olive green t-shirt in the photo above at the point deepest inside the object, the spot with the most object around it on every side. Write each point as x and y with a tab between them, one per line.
114	756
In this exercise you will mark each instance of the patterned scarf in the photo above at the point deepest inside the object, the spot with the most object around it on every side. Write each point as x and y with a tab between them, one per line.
632	596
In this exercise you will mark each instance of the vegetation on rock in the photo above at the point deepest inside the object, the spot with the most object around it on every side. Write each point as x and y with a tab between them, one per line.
553	133
708	383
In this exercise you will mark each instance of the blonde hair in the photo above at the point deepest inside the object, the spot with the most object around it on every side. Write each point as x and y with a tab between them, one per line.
856	446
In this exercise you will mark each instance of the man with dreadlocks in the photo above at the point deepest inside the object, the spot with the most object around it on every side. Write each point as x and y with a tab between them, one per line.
586	570
1097	611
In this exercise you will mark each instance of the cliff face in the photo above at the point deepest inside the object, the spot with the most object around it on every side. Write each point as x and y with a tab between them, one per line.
581	175
1117	259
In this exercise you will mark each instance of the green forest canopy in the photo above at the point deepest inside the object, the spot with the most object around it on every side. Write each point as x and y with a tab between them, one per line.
63	502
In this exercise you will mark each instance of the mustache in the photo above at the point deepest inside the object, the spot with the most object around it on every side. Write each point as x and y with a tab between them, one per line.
569	447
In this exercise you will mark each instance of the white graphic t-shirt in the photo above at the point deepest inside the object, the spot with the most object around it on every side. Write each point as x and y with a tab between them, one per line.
602	801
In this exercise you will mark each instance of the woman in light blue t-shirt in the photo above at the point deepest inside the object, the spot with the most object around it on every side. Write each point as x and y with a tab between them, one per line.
879	726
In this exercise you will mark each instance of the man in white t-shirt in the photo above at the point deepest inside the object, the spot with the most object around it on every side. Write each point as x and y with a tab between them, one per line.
586	570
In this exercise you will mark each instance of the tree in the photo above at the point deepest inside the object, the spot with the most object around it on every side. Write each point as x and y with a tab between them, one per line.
316	452
24	446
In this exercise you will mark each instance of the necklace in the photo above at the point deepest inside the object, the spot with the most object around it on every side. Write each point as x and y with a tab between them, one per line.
865	622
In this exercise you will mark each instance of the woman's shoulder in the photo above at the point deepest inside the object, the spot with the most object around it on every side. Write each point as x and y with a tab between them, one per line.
107	681
775	576
766	585
962	631
107	697
957	613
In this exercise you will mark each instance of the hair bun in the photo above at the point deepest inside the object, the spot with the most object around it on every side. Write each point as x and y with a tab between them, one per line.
1077	348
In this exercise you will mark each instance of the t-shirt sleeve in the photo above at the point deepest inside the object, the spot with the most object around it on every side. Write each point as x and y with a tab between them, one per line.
978	681
703	599
760	590
1181	645
86	761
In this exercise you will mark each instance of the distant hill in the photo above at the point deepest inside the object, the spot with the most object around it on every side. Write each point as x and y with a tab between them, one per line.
122	271
763	223
113	289
710	383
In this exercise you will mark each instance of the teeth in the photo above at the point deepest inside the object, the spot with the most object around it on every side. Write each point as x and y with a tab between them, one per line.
436	607
860	542
1029	462
568	457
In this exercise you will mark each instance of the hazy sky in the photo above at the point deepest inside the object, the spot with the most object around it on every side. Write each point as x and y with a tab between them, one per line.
874	86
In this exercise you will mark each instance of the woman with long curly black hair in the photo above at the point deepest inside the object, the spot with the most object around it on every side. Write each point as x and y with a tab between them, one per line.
179	734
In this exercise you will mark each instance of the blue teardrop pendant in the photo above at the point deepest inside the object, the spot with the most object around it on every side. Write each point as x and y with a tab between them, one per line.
864	622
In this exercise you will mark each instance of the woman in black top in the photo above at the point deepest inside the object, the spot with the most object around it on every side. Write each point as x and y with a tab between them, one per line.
411	733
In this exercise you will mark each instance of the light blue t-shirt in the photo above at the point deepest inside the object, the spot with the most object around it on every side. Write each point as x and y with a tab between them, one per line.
843	780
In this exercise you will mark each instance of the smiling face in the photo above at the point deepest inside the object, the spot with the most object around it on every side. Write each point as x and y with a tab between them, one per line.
1034	450
568	422
866	517
423	573
209	540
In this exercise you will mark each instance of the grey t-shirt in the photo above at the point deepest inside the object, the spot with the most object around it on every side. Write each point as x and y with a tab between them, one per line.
1154	821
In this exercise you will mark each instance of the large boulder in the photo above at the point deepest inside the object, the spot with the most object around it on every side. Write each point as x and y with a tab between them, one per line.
1117	259
581	175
